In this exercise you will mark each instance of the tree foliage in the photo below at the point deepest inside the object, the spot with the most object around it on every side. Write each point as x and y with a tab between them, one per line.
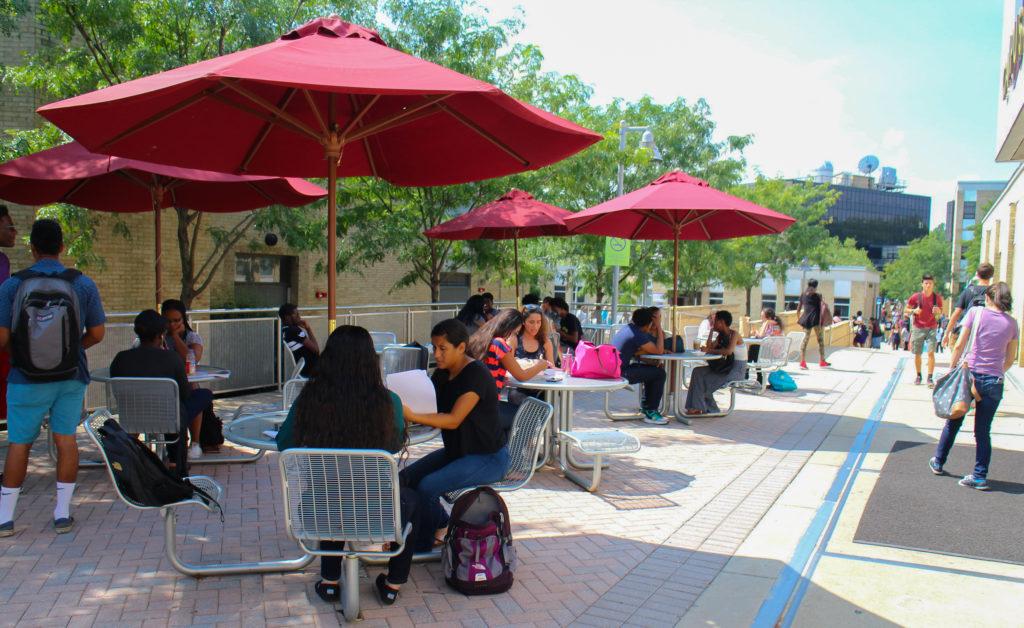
930	254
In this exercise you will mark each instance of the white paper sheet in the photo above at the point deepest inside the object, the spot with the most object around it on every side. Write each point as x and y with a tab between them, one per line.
270	433
415	390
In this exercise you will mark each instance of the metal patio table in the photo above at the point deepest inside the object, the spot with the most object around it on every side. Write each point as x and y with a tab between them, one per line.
677	363
561	396
203	373
248	431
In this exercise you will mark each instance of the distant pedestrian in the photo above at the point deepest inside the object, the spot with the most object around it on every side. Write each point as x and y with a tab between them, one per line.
33	392
926	307
812	314
993	351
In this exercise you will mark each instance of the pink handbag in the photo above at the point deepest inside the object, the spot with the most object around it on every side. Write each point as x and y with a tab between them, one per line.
596	362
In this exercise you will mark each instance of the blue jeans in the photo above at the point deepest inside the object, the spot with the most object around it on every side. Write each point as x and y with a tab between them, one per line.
435	474
653	379
990	388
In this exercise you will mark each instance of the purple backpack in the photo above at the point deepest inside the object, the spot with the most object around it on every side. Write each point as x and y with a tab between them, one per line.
478	557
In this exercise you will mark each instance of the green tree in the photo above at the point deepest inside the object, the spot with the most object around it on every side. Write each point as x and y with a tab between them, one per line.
930	254
749	260
97	43
846	253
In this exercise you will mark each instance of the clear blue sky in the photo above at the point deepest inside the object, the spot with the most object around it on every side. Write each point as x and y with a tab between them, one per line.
914	82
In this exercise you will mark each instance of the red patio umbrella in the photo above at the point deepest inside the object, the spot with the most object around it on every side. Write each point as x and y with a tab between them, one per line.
515	215
325	89
71	174
678	207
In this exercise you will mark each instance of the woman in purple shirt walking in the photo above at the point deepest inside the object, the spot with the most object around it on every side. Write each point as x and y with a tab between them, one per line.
993	351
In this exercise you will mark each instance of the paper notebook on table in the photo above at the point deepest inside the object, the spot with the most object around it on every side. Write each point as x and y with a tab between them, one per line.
415	390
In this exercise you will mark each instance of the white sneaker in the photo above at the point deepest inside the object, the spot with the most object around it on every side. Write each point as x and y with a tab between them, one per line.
195	452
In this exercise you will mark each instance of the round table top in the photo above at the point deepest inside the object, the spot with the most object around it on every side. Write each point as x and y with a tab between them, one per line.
249	431
203	373
571	383
753	340
685	356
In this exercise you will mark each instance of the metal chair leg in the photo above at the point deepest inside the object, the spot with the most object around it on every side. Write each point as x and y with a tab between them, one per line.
619	416
350	589
244	459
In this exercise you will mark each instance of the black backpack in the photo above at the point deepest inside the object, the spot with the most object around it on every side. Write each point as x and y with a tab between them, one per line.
46	333
139	474
478	557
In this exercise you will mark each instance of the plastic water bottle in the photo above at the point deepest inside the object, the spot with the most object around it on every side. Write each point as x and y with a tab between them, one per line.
190	363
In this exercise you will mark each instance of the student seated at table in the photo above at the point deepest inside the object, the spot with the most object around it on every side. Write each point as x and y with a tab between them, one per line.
299	338
489	310
181	338
771	325
346	406
644	336
570	330
151	359
495	344
474	451
472	313
706	380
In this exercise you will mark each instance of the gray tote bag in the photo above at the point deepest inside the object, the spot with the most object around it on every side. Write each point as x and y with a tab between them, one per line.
952	396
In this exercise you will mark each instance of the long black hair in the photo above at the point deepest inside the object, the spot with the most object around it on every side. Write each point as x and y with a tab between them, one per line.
473	309
999	293
770	314
503	325
345	404
178	306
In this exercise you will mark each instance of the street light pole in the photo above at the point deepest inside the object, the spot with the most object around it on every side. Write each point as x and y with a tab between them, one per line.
646	141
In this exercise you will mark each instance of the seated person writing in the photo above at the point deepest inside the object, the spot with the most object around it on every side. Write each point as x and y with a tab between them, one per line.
299	338
150	359
706	380
570	331
644	336
495	345
346	406
771	325
474	451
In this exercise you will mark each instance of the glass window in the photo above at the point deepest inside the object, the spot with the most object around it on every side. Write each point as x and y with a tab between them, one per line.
716	298
841	308
792	302
793	288
842	288
970	196
768	301
768	286
257	269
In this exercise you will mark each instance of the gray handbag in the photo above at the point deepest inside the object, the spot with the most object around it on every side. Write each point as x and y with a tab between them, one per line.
953	392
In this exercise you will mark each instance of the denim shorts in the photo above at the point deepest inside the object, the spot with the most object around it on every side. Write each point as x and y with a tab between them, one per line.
27	404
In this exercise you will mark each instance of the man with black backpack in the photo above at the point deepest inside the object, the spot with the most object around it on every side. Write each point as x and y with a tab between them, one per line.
972	296
43	311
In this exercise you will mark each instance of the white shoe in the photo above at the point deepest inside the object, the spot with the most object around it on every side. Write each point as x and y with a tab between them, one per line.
195	452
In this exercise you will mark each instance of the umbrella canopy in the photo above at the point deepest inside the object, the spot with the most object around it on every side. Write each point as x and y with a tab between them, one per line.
71	174
329	97
677	207
515	215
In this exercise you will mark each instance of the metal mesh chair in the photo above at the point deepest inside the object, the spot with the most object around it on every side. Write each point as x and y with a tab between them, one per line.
690	336
772	356
291	391
149	406
525	444
346	495
383	338
400	359
796	340
293	368
212	488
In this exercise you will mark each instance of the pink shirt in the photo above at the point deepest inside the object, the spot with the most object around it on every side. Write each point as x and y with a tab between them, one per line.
995	331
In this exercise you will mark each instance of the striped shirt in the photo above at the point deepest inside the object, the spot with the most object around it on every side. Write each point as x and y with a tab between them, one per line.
495	352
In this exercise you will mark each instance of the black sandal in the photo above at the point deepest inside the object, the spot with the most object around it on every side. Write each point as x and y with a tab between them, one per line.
386	594
328	592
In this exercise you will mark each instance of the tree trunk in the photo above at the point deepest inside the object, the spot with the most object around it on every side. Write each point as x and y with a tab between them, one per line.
188	278
435	286
749	290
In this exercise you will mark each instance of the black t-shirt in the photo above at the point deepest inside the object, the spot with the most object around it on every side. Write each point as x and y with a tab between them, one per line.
481	431
295	337
569	325
970	297
811	302
152	362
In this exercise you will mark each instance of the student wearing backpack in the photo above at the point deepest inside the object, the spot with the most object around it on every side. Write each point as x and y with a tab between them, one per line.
926	308
972	296
346	406
50	372
474	452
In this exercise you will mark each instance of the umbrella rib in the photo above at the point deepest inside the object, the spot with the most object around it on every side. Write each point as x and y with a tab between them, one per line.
78	186
643	223
402	117
157	117
693	217
704	228
315	110
366	141
265	131
131	176
357	119
278	112
487	136
265	116
259	191
758	222
653	215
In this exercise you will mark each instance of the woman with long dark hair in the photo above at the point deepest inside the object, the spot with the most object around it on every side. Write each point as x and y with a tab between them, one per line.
345	405
474	451
993	351
534	341
771	325
181	338
473	313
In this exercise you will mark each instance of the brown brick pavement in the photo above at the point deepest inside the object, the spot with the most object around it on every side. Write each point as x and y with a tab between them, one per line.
639	553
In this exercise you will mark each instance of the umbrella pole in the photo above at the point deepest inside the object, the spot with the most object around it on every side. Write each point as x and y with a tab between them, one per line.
157	246
675	291
332	236
515	253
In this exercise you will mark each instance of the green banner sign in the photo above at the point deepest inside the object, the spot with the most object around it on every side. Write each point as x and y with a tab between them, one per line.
616	252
